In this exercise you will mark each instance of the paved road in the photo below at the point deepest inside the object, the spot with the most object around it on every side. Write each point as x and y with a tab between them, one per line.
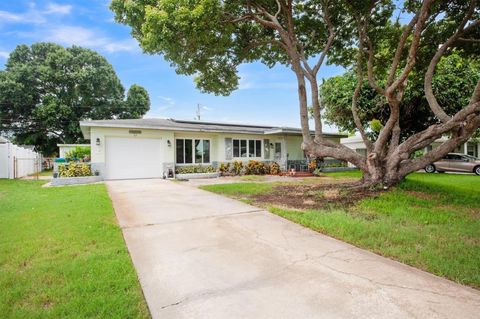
200	255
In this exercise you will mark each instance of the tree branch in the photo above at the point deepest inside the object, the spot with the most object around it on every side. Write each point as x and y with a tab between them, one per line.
400	46
430	96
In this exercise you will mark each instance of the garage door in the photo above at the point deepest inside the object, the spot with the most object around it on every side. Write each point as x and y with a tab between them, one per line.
133	158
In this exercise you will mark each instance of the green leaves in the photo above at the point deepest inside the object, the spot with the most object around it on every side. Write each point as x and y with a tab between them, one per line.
47	89
210	38
455	77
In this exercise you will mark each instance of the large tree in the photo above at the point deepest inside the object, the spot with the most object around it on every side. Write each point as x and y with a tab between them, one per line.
455	75
211	38
46	89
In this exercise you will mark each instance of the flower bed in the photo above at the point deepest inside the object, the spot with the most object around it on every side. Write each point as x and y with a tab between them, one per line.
252	167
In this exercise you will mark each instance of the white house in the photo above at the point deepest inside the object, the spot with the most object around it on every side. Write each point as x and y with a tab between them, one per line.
149	148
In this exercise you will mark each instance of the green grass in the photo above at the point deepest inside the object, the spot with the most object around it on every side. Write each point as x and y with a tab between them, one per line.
239	189
253	178
62	255
344	174
47	172
430	221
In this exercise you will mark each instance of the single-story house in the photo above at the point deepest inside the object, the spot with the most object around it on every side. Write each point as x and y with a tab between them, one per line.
472	147
65	148
150	148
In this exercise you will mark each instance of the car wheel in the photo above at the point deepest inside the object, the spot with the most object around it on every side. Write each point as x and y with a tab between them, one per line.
476	170
430	168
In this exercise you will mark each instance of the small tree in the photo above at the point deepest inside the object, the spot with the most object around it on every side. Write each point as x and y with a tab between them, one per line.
210	38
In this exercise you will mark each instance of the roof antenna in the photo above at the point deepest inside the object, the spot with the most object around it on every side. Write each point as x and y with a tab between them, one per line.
198	111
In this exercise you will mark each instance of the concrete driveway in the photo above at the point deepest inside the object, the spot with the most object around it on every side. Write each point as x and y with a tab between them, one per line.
201	255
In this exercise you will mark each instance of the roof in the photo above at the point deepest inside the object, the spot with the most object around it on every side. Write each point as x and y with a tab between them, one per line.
195	126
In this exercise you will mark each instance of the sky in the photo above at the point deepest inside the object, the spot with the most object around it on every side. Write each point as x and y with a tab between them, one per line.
265	96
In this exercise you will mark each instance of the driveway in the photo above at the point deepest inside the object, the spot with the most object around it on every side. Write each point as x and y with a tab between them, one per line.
201	255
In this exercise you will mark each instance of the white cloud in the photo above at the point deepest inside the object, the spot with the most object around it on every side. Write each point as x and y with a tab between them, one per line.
35	15
4	54
122	45
73	35
55	8
159	109
6	16
250	82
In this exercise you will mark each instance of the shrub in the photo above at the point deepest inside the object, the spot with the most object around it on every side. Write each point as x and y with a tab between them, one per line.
274	168
74	170
79	152
237	168
312	165
192	169
255	168
224	168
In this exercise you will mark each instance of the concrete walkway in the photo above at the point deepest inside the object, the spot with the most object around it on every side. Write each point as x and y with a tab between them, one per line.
200	255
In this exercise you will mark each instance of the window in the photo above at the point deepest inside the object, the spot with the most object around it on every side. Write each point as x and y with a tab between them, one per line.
180	152
247	148
258	148
236	148
192	151
243	148
206	151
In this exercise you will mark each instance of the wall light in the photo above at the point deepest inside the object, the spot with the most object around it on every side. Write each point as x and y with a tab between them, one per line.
169	143
97	141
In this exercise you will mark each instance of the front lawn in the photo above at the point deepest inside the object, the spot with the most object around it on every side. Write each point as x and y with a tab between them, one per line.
430	221
62	255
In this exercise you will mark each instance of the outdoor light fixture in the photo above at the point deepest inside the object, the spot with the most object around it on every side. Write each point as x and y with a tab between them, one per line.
169	143
98	141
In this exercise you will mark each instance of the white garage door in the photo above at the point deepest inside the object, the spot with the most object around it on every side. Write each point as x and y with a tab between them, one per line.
133	158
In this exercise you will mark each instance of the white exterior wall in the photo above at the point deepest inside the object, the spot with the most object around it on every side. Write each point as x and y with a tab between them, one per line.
102	133
16	162
217	148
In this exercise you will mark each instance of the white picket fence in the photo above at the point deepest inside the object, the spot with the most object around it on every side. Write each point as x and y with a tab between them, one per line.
16	162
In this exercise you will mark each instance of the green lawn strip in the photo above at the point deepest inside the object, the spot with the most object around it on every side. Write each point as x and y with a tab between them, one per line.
429	221
240	189
349	174
62	255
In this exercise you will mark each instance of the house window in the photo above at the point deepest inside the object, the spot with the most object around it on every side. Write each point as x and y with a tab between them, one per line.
192	151
247	148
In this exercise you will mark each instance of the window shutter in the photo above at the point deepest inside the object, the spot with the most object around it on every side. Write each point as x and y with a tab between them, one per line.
228	149
266	145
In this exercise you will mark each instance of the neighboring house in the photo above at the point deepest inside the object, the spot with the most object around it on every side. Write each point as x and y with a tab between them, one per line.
65	148
472	147
149	148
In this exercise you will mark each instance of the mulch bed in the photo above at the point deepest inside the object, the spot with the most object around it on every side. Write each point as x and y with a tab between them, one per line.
326	196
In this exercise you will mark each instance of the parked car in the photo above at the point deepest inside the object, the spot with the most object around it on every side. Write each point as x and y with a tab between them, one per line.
455	163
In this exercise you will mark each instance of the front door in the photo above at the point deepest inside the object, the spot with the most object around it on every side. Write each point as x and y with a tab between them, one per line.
278	152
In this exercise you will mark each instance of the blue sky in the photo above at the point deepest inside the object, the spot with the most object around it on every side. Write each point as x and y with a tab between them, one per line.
265	96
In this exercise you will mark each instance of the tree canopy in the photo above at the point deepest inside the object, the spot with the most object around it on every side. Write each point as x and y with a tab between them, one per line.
454	76
46	89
